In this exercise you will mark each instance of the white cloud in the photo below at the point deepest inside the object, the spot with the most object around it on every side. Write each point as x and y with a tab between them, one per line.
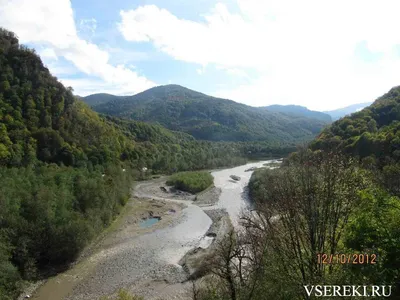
303	51
61	69
50	24
48	53
236	72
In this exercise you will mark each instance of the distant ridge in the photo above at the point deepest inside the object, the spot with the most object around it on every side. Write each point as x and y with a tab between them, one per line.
344	111
99	98
297	110
208	118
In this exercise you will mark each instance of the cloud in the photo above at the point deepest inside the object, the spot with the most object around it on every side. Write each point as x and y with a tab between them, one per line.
50	24
236	72
302	51
48	53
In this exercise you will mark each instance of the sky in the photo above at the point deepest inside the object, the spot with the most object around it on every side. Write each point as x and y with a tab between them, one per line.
317	53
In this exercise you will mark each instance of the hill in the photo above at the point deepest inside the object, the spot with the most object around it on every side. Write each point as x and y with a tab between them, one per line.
342	195
40	119
209	118
372	135
341	112
299	111
53	152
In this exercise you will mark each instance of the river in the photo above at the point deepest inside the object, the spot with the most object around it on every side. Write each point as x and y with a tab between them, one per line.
148	264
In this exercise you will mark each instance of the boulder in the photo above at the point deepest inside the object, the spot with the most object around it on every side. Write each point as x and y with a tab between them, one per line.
234	177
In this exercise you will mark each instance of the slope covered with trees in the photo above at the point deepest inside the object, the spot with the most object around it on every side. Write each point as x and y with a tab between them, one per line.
372	136
329	215
61	169
209	118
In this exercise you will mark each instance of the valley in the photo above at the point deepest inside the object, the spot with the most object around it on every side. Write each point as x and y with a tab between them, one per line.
146	261
115	193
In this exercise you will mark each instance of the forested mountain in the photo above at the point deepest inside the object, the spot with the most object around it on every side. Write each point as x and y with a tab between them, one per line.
299	111
341	112
50	208
66	172
372	135
209	118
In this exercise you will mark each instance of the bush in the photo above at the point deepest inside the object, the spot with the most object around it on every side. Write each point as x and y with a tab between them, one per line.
193	182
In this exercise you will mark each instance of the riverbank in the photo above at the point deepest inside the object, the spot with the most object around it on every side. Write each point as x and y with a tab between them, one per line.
75	283
155	262
142	260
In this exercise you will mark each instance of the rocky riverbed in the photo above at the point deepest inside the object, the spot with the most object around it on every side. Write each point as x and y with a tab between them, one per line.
145	261
155	261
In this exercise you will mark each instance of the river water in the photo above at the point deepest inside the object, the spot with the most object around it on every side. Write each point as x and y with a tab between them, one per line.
234	195
154	256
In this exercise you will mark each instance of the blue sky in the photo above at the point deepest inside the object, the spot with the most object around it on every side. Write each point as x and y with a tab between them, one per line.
146	58
319	54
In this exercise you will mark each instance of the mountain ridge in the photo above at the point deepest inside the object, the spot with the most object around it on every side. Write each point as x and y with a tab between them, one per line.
210	118
299	110
347	110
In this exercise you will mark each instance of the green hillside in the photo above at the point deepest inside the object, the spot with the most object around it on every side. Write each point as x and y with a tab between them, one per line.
53	153
372	135
209	118
340	195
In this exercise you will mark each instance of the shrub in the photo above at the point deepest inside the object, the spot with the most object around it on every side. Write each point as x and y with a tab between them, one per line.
193	182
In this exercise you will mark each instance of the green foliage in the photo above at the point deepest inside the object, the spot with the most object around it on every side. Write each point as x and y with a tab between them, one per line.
9	276
209	118
193	182
40	119
375	229
167	151
372	135
321	202
49	213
